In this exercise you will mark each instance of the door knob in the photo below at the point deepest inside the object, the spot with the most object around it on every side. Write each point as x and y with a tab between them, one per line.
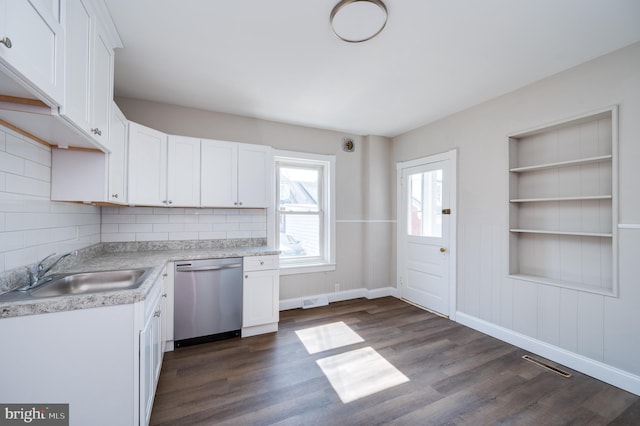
442	249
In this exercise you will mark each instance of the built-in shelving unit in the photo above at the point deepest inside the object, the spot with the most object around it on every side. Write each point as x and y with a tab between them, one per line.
563	203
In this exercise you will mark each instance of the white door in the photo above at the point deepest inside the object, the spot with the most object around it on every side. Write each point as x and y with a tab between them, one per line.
425	224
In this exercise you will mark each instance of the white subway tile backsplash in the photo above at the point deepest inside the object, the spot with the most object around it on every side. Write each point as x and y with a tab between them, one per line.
198	227
11	241
11	163
32	226
168	227
24	185
161	218
107	228
37	171
152	236
118	238
212	218
226	227
24	148
114	218
137	224
135	227
176	236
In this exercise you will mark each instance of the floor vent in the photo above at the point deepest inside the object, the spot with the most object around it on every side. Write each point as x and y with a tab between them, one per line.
315	302
547	366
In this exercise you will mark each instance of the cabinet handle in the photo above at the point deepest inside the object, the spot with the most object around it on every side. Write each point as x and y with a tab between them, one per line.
157	313
7	42
170	202
96	131
114	195
240	203
164	294
235	203
246	276
261	262
165	275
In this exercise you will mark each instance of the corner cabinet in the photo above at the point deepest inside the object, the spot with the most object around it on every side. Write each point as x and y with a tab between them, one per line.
236	175
563	203
260	295
32	46
93	177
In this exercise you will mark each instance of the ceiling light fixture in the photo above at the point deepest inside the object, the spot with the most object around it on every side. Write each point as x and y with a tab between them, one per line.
355	21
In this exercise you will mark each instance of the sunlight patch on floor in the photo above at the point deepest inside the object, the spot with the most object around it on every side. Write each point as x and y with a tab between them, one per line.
329	336
359	373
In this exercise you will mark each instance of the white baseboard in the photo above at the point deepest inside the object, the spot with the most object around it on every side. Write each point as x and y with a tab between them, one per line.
357	293
601	371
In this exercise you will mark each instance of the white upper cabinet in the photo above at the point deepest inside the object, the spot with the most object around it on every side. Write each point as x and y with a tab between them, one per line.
255	175
91	176
235	175
147	166
32	46
219	180
118	141
183	172
89	62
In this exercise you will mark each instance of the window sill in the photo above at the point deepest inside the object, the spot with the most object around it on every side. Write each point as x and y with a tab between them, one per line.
293	269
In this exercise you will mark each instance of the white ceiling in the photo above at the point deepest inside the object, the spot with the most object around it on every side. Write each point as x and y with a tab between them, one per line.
279	60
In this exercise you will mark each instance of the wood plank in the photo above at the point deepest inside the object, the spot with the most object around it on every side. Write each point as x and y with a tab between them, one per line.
457	376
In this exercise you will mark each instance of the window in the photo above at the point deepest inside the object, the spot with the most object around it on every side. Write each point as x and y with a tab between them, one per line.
304	211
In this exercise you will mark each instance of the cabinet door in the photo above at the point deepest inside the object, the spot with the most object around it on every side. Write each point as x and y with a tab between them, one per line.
219	174
118	135
183	171
255	176
147	166
147	371
101	87
37	46
260	298
78	24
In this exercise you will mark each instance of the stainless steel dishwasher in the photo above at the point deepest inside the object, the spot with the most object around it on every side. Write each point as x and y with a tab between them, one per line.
207	301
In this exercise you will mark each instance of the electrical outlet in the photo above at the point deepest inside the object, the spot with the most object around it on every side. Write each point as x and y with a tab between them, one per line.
337	289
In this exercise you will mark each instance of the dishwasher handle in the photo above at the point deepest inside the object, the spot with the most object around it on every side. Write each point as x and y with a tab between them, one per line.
188	268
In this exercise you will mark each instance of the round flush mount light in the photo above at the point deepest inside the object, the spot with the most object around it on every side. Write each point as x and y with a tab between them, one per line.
355	21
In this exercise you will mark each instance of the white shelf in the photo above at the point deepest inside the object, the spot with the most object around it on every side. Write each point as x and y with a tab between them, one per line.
561	164
565	284
547	232
539	200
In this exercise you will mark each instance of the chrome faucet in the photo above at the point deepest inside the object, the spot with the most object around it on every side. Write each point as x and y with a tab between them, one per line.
36	274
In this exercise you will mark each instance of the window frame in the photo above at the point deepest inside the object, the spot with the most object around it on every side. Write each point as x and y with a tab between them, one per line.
326	259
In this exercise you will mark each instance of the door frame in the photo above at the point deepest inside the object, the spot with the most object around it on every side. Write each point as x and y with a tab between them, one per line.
452	156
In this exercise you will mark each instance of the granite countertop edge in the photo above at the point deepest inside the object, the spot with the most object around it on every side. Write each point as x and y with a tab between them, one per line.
17	306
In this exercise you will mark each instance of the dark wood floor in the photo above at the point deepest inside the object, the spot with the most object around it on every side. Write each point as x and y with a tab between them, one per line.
457	377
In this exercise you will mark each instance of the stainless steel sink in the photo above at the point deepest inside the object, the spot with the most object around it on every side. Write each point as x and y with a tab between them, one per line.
90	282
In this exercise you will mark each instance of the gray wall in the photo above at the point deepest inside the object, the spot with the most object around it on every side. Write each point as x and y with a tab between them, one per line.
364	224
598	327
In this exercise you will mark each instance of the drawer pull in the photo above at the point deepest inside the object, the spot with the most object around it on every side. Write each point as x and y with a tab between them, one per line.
7	42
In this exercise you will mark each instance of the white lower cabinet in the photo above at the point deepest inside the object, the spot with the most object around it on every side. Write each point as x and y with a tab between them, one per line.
260	295
150	357
104	362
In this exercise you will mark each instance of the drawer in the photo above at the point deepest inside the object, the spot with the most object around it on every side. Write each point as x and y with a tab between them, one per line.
261	263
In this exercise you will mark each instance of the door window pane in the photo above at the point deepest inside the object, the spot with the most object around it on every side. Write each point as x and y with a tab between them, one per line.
425	204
